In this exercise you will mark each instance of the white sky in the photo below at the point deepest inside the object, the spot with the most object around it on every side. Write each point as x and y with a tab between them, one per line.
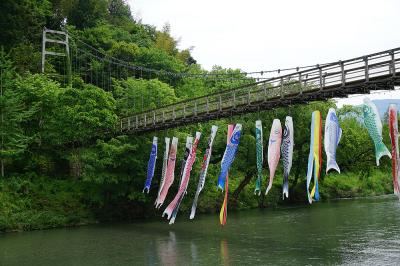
257	35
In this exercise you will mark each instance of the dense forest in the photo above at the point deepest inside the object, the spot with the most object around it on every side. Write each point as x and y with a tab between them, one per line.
61	166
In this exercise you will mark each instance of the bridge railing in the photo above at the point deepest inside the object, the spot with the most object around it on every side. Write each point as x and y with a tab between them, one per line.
318	79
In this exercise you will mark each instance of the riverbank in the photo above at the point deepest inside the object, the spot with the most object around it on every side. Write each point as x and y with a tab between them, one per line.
33	203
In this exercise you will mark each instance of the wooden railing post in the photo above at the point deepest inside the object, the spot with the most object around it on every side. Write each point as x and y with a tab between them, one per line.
208	106
393	63
184	110
145	120
173	113
154	118
343	74
163	116
220	103
265	92
366	69
281	92
234	99
137	122
195	108
320	77
301	86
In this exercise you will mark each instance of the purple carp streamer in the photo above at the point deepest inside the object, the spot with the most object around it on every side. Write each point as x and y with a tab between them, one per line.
203	171
169	173
151	165
172	209
229	155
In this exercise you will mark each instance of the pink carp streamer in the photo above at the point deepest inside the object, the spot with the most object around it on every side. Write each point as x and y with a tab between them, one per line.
168	174
172	209
274	150
394	137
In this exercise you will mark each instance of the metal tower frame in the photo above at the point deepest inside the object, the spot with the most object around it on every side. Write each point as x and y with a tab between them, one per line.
64	42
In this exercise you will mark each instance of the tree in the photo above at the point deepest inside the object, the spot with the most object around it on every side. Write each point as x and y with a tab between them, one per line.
87	13
13	113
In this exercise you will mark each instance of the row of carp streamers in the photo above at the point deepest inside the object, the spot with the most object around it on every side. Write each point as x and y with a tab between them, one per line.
280	144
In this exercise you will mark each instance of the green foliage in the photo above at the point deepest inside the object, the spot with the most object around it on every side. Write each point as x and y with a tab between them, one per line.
135	95
83	113
31	202
13	112
87	13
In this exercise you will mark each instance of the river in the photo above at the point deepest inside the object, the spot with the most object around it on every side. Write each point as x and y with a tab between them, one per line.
343	232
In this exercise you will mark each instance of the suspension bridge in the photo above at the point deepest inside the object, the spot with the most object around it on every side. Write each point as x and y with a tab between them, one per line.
359	75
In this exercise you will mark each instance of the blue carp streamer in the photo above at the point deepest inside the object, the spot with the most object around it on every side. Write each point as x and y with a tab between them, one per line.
151	166
229	155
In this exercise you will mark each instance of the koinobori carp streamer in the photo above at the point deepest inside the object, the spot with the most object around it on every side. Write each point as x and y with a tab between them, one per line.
172	209
203	170
164	167
169	173
259	156
188	148
332	136
287	154
151	165
224	208
274	151
229	155
373	124
315	156
394	138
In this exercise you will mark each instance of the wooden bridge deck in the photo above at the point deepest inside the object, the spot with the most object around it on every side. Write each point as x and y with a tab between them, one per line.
378	71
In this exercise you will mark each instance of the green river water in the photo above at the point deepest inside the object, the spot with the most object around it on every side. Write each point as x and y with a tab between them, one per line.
343	232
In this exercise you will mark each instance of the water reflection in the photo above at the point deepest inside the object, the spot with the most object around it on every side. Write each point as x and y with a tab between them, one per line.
347	232
167	250
224	252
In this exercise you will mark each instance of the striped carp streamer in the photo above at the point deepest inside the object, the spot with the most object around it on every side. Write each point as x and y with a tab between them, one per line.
224	208
373	124
203	170
229	155
173	208
168	177
315	156
287	154
394	138
151	165
274	151
259	156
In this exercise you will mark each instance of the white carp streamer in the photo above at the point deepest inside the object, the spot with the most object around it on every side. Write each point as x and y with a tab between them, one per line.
203	171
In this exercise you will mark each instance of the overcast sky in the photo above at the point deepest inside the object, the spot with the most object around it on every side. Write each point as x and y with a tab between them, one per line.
257	35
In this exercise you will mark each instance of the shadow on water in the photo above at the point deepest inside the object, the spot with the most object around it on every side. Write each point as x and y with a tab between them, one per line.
362	231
